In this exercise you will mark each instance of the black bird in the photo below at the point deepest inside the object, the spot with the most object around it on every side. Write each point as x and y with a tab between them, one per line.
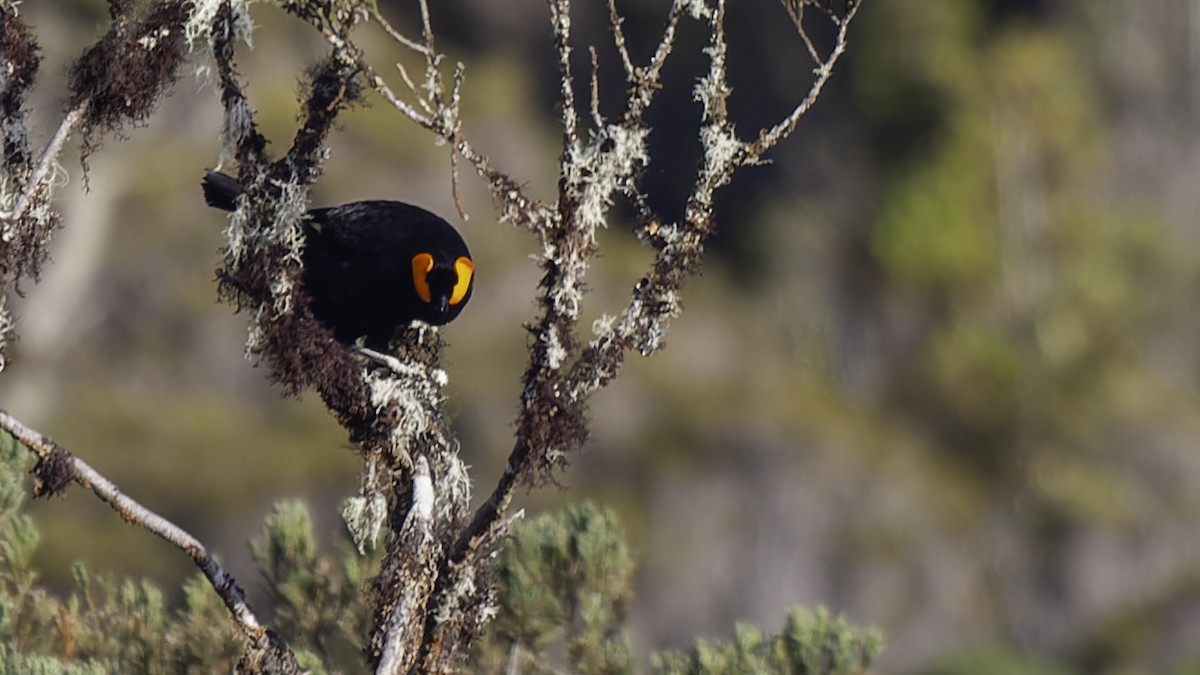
374	266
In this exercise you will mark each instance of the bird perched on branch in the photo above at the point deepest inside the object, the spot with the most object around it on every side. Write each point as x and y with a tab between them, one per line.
374	266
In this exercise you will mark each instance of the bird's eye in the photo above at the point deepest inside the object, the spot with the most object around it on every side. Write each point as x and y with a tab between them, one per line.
421	264
464	268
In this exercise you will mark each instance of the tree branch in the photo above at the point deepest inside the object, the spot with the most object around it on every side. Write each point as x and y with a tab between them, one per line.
57	467
770	138
46	161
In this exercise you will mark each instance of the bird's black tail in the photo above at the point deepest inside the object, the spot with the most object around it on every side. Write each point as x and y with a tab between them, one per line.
221	190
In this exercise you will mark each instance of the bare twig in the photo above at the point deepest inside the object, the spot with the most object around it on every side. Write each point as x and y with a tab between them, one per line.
131	511
427	32
397	35
516	206
615	20
645	81
408	82
771	138
795	9
377	83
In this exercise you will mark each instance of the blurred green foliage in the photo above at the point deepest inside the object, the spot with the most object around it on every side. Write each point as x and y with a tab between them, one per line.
569	577
1033	292
318	599
811	642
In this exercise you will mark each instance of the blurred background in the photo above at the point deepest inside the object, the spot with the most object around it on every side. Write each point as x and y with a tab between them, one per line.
939	373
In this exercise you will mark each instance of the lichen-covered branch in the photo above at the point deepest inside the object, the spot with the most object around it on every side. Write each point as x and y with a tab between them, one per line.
38	177
611	164
26	220
399	626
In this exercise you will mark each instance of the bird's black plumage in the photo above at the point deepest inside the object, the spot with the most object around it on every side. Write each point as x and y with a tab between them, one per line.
374	266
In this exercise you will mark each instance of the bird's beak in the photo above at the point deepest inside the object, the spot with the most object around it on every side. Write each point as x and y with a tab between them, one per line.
441	305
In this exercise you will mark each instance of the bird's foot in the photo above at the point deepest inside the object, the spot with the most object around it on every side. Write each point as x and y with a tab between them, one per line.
386	360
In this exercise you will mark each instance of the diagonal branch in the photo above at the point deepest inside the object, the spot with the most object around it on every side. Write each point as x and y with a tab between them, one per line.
770	138
56	468
46	161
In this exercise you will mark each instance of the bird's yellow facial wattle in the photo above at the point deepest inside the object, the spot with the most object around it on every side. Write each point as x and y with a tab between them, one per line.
464	268
422	265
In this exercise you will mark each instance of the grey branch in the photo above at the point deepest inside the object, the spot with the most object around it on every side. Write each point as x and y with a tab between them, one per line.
131	511
47	161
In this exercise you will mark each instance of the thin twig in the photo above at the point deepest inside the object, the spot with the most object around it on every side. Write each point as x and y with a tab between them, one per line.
517	207
454	183
46	161
770	139
397	35
645	81
795	9
560	13
596	118
427	30
668	39
408	82
456	138
808	43
480	530
132	511
386	92
432	59
615	20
